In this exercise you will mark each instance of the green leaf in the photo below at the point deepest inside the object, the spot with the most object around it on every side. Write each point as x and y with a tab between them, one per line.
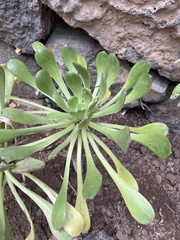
156	127
2	89
79	115
140	209
11	153
156	142
84	74
28	165
93	179
59	209
45	83
87	96
23	117
31	235
44	205
102	88
102	63
59	116
69	55
114	108
113	69
81	204
121	170
18	69
46	60
175	93
60	101
74	222
73	102
4	167
37	45
121	137
136	71
8	134
86	120
141	88
82	61
75	83
102	66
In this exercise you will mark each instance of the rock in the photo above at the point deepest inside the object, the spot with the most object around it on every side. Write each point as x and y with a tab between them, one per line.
176	153
158	89
24	22
166	112
134	30
172	178
97	235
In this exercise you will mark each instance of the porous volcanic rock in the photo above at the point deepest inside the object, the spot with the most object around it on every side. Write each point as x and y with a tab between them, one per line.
23	22
134	29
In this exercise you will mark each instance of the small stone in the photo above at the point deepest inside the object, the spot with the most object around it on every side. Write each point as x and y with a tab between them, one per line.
172	178
159	179
121	236
176	153
156	163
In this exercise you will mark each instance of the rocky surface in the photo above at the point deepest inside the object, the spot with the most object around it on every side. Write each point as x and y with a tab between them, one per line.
133	29
23	22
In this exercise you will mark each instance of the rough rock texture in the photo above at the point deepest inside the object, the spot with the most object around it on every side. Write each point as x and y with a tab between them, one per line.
134	29
23	22
166	112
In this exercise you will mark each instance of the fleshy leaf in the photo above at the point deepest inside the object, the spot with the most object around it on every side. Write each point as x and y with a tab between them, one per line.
102	88
18	69
69	55
74	222
93	179
114	108
45	58
136	71
20	116
141	88
82	61
87	96
75	83
121	137
73	102
121	170
4	167
175	93
113	69
156	142
28	165
156	127
140	209
2	89
84	74
37	45
60	101
45	83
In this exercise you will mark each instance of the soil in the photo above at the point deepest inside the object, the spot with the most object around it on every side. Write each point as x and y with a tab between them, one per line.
159	182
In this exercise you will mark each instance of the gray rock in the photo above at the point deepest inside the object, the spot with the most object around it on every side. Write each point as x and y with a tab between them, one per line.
158	89
98	235
23	22
166	112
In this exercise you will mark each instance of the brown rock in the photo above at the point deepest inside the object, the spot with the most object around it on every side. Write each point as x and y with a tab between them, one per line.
134	30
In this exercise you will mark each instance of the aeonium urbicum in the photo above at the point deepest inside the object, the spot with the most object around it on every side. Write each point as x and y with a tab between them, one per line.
79	106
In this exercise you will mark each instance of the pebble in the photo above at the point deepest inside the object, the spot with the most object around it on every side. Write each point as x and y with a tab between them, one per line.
176	153
159	179
121	236
172	178
156	163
